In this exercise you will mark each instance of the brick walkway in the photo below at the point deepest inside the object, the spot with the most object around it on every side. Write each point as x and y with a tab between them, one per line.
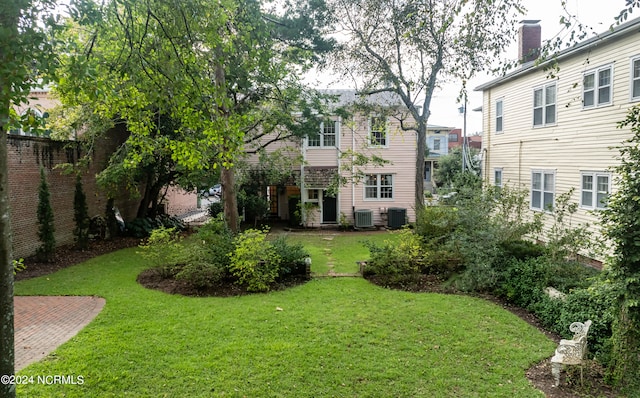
42	323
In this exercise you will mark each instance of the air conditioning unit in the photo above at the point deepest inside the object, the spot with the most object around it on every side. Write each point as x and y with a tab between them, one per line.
364	219
397	217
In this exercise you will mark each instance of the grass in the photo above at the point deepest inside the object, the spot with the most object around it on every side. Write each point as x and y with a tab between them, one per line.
338	337
338	252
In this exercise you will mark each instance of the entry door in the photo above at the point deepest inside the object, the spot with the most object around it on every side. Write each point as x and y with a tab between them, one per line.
329	208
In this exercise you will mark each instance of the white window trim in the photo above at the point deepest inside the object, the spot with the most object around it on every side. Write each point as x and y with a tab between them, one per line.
495	170
596	87
542	191
386	132
594	190
545	105
321	137
501	116
631	78
378	188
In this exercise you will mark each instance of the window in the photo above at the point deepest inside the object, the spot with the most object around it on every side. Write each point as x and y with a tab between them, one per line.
453	137
595	189
498	116
596	87
327	136
436	144
497	178
313	195
378	131
544	105
635	79
542	190
378	186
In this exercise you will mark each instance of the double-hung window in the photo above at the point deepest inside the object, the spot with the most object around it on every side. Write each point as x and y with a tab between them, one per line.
597	87
499	105
326	137
497	178
378	186
378	131
595	189
635	79
544	105
542	190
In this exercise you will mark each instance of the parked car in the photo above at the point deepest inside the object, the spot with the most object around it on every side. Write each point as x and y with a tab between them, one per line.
215	190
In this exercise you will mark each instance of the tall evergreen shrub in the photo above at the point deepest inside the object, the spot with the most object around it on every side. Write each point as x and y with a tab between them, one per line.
46	228
80	216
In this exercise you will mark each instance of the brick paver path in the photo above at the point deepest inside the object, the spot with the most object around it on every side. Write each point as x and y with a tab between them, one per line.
42	323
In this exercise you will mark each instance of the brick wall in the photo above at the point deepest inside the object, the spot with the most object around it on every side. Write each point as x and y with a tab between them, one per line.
26	155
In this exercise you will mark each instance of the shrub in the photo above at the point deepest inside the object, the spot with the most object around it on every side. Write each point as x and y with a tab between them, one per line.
18	265
199	267
163	247
46	229
523	282
292	256
80	216
436	223
398	259
143	227
522	249
215	208
254	260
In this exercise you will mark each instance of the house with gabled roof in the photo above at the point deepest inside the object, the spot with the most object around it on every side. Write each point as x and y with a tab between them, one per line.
368	195
551	127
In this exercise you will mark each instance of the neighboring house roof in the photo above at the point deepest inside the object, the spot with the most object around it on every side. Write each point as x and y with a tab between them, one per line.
624	29
351	96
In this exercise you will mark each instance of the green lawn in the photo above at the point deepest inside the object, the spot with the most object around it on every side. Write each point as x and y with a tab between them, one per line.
337	337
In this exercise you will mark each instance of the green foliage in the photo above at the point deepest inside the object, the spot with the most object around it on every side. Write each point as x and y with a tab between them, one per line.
215	209
563	239
254	206
398	258
163	247
449	173
18	265
143	227
46	228
293	256
254	260
80	216
436	224
621	225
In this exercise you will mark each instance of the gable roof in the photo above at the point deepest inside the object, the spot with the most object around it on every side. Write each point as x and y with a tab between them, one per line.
602	39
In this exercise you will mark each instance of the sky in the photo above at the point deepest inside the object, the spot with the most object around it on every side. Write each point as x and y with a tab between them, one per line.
597	14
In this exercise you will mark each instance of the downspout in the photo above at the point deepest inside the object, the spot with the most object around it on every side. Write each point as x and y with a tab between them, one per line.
487	162
520	162
303	215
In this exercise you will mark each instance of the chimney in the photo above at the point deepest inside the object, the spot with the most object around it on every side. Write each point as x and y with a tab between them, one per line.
529	40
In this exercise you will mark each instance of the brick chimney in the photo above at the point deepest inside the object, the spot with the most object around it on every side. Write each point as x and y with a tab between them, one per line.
529	40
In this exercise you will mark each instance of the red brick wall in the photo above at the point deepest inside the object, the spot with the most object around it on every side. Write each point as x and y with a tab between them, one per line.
26	155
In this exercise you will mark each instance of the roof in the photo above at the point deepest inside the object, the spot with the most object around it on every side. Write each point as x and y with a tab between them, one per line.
351	96
604	38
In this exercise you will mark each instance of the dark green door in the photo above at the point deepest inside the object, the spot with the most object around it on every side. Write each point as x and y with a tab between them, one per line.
329	208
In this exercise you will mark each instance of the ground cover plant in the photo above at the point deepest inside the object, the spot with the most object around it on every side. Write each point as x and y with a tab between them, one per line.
328	337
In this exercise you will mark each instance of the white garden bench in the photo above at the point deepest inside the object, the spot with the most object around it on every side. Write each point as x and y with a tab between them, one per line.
571	352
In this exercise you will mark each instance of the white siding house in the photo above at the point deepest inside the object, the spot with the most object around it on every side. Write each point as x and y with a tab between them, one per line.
552	130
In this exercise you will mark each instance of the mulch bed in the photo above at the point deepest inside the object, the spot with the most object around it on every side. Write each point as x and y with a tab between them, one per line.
539	375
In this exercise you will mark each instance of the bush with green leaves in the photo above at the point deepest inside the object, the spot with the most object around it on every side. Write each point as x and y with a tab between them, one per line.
397	259
163	247
292	255
254	260
80	216
18	265
143	227
46	228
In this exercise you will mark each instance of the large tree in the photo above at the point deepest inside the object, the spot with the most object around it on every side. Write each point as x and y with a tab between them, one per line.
223	72
410	47
25	50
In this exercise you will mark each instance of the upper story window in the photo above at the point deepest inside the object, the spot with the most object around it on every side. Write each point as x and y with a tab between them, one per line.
594	190
378	186
453	137
436	144
378	131
499	116
544	105
327	136
635	79
542	190
597	87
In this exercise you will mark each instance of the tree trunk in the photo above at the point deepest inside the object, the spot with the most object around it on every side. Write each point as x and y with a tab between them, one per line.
229	198
422	147
7	353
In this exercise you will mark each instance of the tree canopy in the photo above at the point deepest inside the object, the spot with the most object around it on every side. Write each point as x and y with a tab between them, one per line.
411	47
